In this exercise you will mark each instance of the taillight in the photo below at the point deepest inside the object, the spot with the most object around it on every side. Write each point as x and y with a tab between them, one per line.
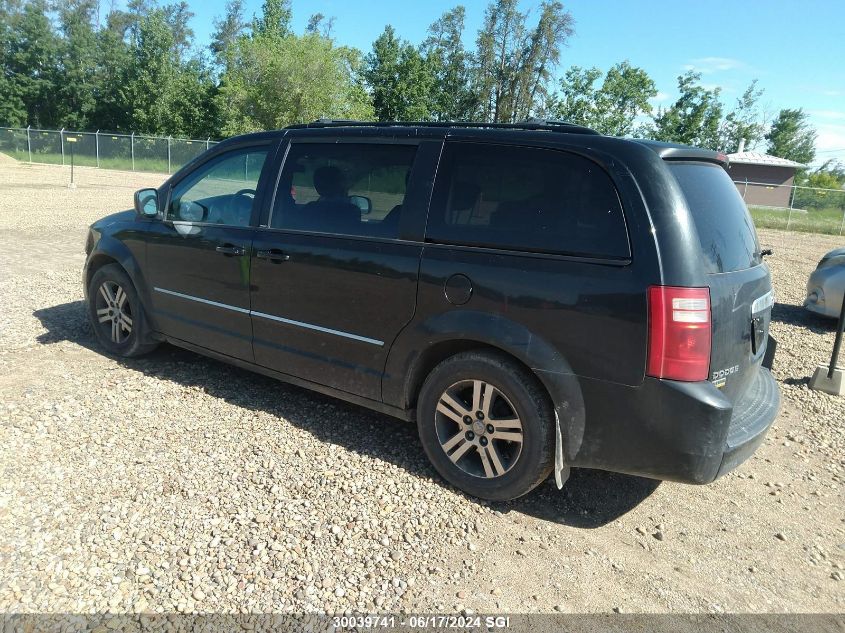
679	327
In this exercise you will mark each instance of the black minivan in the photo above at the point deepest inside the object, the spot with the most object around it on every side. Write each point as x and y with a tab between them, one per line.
536	296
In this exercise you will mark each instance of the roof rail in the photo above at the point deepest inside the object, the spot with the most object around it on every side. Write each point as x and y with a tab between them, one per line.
530	124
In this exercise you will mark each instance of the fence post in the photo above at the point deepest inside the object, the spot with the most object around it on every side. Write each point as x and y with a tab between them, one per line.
791	198
745	190
168	155
132	149
62	139
207	143
842	226
29	144
97	146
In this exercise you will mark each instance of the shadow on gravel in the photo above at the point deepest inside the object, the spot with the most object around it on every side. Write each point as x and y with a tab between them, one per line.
589	499
797	315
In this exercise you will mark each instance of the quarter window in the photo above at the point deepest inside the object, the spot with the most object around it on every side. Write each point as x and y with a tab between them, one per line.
344	188
220	192
527	199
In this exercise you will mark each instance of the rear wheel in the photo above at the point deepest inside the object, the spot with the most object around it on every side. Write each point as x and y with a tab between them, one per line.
116	313
487	425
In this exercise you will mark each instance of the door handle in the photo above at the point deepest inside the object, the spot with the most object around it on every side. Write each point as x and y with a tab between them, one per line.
230	249
273	254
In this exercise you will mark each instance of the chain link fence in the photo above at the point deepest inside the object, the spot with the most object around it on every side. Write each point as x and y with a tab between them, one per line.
787	207
108	150
794	207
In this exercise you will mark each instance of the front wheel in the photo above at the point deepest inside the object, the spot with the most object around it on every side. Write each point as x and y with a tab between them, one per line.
116	313
487	425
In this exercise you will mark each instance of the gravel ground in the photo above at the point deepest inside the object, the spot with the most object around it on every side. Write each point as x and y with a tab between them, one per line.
177	483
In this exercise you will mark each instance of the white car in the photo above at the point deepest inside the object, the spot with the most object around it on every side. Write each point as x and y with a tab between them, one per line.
826	287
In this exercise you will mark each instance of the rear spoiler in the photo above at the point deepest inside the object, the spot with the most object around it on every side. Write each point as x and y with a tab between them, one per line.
677	152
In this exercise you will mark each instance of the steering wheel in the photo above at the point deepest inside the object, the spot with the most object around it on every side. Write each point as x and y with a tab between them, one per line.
236	212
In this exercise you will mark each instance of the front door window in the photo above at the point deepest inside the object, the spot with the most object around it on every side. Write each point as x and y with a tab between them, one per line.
221	192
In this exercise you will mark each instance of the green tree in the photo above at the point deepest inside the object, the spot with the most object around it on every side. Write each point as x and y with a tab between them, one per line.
828	182
744	122
319	23
402	82
114	65
624	95
276	78
792	137
275	19
12	107
163	95
514	62
227	30
32	63
541	55
575	102
77	90
178	17
611	108
444	52
694	119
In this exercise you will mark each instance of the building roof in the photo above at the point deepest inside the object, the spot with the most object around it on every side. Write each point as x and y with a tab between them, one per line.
758	158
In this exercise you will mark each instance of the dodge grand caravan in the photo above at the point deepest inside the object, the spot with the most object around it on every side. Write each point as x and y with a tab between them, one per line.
536	296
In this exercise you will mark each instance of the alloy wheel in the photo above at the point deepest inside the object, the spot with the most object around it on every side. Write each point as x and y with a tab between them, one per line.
478	428
114	312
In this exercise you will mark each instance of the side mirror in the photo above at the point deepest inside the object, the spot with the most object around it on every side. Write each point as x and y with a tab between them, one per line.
363	203
146	203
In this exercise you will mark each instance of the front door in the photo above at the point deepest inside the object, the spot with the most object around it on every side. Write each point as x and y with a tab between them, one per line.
332	283
198	258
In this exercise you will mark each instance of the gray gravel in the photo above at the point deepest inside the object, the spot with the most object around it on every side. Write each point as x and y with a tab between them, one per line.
176	483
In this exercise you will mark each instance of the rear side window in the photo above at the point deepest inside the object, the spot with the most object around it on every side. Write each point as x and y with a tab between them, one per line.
343	188
527	199
724	226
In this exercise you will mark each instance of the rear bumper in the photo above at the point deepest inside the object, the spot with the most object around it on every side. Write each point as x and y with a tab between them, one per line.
676	431
750	420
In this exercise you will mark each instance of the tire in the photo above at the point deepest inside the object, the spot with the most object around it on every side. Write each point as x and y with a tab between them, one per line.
504	453
116	313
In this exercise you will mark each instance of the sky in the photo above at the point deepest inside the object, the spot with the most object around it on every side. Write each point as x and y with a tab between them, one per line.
795	50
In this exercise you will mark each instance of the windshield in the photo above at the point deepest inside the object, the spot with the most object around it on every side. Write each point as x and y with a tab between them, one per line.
725	229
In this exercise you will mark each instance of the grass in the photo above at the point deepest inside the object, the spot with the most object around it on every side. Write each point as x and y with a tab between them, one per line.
81	160
826	221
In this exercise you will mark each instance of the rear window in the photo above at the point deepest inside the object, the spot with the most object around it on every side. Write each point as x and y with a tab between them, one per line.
526	199
725	229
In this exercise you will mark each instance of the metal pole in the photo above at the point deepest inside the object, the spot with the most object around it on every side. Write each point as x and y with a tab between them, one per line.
29	144
207	143
168	155
842	226
789	221
838	342
97	145
62	139
71	164
745	191
132	149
